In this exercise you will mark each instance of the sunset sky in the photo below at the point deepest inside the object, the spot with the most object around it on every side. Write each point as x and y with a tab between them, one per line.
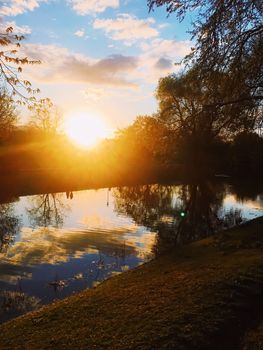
101	56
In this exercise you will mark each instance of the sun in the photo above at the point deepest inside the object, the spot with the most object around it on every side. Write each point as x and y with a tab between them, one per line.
84	129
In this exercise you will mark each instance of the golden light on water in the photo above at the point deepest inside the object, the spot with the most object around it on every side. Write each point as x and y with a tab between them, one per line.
84	129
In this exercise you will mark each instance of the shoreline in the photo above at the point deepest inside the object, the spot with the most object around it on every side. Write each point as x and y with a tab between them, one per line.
39	182
209	288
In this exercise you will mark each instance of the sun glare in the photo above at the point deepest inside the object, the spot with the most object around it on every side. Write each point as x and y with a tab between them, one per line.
84	129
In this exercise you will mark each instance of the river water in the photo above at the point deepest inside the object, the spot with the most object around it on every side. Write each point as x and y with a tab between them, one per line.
53	245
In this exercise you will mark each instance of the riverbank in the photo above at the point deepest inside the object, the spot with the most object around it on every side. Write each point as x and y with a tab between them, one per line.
253	339
35	182
202	296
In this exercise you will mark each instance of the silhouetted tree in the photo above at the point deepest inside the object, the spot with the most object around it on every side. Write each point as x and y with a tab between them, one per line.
146	137
8	116
229	39
190	106
221	94
247	153
46	118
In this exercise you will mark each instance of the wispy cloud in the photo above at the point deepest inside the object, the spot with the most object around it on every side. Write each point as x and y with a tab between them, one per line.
87	7
18	7
127	28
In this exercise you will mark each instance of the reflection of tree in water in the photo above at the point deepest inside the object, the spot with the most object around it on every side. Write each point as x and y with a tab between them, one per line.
247	190
179	214
144	204
9	226
47	210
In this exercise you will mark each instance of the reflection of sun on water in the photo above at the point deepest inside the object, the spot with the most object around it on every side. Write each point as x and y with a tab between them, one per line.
84	129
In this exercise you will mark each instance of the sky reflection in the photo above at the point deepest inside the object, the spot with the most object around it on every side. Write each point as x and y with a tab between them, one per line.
58	244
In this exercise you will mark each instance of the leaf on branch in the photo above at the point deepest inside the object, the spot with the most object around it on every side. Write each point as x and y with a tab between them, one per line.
9	29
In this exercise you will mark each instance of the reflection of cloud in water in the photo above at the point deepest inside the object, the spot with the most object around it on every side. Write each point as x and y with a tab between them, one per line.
143	243
53	246
98	221
11	273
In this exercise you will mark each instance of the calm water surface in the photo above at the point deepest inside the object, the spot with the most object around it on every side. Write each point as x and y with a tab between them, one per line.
53	245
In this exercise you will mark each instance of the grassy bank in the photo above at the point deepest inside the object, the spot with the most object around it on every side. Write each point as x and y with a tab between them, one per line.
203	296
253	339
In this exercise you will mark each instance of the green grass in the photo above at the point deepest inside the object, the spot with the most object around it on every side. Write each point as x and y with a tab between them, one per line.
201	296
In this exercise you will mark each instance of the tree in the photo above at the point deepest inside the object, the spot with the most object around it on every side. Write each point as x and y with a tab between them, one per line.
8	115
221	92
229	39
11	66
46	117
14	90
194	107
147	136
247	154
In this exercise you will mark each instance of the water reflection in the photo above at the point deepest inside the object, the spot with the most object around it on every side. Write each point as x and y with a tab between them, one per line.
53	245
179	214
11	301
48	210
9	226
248	191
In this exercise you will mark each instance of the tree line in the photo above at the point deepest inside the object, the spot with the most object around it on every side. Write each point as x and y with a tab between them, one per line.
213	107
209	115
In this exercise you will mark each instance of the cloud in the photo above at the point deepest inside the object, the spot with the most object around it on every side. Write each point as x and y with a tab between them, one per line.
18	7
87	7
164	63
167	48
61	66
127	28
20	30
159	56
80	33
95	93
